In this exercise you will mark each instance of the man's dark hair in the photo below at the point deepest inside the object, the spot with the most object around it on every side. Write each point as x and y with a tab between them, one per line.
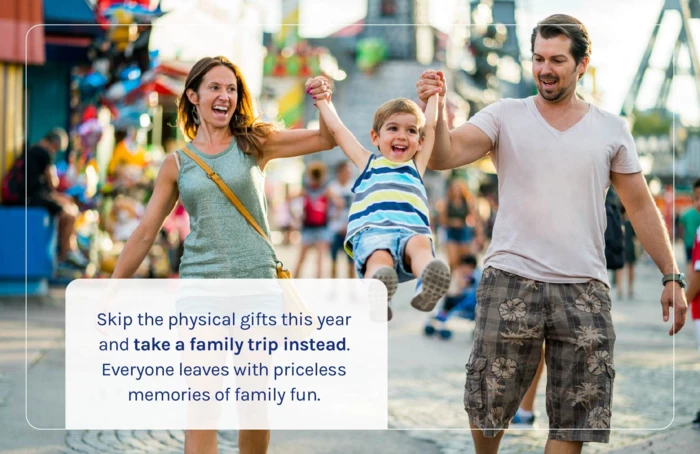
468	260
572	28
57	137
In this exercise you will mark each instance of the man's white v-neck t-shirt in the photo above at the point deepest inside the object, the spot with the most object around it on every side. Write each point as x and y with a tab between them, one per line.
551	221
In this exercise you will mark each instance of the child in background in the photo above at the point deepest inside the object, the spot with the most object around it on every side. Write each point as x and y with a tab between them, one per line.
389	234
314	232
693	291
460	298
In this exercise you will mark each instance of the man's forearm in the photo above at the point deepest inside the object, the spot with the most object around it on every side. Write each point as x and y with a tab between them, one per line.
651	231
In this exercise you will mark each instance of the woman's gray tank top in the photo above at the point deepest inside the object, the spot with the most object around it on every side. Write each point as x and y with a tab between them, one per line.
221	243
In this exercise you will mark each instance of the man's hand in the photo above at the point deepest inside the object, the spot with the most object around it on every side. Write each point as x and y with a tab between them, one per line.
431	82
673	296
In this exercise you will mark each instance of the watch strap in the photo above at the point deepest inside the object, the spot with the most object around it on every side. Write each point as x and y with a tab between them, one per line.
680	278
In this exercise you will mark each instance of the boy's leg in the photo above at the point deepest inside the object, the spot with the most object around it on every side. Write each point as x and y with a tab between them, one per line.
380	266
419	252
377	260
433	275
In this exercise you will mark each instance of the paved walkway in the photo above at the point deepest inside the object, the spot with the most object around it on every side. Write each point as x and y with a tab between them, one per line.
425	389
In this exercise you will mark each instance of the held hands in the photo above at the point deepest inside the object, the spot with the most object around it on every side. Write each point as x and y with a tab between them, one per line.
673	296
430	83
319	88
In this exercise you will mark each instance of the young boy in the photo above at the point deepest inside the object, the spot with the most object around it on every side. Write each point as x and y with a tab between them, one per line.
389	234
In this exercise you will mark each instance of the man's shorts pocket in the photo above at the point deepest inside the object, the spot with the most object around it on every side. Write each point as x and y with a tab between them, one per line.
474	398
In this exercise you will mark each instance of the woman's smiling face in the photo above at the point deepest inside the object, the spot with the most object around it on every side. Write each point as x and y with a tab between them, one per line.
216	97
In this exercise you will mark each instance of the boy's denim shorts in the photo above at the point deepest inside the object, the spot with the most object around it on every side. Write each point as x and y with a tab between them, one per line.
394	240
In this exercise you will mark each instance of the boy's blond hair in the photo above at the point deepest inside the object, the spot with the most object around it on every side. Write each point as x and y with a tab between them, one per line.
398	105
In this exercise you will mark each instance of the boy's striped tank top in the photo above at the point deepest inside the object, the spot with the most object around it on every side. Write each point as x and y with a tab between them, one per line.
388	195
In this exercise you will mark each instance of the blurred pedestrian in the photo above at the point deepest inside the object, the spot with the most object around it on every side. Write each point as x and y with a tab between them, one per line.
545	276
283	218
688	224
315	218
40	189
216	113
614	239
454	210
342	196
630	256
693	293
128	159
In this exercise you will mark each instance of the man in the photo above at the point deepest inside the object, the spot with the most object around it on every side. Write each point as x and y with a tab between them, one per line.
545	275
40	185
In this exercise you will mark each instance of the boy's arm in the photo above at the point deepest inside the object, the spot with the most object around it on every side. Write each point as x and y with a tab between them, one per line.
346	141
431	117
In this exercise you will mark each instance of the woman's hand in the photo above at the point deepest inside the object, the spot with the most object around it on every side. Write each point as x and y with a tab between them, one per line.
319	88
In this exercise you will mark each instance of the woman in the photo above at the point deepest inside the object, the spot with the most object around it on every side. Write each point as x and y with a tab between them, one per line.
453	213
216	113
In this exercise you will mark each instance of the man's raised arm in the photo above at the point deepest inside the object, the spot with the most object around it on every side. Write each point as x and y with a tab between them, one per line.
462	145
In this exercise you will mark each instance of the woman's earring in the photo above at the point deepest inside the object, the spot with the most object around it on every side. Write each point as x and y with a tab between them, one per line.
195	115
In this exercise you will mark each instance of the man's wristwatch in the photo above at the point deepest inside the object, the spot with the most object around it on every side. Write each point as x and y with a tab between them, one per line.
680	278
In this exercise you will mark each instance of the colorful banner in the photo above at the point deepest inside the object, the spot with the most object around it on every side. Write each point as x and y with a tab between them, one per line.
291	106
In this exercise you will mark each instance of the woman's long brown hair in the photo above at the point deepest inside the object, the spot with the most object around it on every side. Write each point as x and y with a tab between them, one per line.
246	128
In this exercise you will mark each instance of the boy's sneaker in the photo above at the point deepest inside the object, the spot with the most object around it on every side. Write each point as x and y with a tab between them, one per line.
523	419
431	286
388	277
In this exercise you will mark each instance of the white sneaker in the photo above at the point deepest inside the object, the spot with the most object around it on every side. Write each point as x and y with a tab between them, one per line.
432	285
